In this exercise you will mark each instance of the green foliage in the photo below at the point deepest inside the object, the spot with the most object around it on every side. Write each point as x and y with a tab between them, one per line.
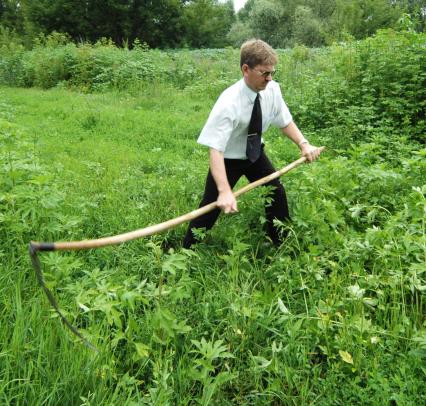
11	16
308	29
361	18
207	23
315	23
160	23
333	316
363	87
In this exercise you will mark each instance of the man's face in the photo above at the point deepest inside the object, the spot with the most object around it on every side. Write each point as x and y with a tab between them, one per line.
257	78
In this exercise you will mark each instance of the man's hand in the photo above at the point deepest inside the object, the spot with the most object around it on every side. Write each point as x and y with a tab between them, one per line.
226	201
310	152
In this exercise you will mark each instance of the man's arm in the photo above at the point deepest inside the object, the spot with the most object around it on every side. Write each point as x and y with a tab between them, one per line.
226	199
307	150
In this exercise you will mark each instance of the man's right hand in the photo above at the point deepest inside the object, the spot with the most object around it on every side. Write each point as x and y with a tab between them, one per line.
227	203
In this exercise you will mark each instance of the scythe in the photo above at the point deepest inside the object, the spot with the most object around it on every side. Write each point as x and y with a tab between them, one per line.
35	247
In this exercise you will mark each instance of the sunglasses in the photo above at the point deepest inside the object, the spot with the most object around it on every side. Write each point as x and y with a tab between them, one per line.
265	74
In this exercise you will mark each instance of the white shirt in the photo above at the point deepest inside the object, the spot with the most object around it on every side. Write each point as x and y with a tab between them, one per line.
226	129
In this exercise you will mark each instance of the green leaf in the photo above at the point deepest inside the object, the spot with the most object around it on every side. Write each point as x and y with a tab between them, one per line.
142	350
283	307
346	357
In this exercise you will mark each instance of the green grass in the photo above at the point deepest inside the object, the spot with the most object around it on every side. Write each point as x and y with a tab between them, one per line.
335	316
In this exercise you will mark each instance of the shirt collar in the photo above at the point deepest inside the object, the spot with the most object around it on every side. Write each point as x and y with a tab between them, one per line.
250	93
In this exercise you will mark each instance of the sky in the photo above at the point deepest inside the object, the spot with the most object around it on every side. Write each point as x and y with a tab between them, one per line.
239	4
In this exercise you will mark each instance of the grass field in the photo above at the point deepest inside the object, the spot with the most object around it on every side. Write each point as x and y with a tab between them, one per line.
335	316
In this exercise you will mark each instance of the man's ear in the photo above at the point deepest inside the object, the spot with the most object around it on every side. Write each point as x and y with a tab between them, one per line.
244	68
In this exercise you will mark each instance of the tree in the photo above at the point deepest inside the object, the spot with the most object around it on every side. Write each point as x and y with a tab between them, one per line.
243	14
106	18
321	9
376	14
11	15
239	33
66	16
275	22
316	22
342	22
159	23
270	21
207	23
362	18
416	9
307	28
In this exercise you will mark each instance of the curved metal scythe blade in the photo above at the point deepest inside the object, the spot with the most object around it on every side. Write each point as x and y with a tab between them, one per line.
34	247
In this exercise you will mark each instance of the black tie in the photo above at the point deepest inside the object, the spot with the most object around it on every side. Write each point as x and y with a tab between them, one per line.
254	132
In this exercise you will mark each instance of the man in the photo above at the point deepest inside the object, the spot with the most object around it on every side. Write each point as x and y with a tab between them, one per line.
233	134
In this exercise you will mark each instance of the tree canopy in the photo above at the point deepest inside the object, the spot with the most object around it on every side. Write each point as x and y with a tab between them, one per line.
208	23
285	23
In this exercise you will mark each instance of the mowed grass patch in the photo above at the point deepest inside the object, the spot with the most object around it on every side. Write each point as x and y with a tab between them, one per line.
104	143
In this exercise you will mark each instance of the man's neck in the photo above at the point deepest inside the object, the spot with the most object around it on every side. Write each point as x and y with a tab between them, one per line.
254	90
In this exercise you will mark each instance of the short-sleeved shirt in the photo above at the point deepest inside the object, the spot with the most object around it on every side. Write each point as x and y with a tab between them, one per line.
226	129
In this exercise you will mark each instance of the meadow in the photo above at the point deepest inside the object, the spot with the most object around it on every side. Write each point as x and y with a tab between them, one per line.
96	141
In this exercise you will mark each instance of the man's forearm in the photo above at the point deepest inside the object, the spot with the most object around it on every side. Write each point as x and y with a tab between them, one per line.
293	132
226	199
217	168
307	150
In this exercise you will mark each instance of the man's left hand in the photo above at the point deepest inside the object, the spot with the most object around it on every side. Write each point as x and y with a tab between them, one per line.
310	152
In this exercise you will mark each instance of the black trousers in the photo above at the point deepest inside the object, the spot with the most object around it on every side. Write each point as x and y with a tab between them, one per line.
235	168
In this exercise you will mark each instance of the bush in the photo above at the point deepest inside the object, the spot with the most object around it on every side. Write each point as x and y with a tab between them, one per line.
363	86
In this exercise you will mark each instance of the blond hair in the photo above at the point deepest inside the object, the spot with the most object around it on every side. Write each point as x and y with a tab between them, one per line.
257	52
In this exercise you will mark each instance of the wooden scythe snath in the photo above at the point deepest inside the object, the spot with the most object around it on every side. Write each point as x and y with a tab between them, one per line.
34	246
